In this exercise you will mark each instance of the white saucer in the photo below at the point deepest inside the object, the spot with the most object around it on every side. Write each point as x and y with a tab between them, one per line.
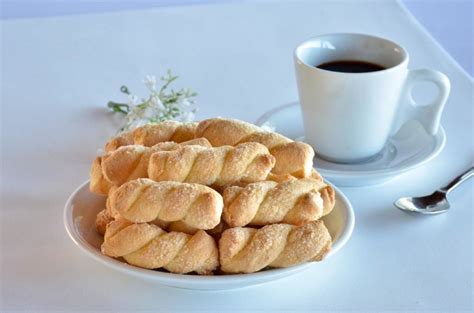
79	219
409	148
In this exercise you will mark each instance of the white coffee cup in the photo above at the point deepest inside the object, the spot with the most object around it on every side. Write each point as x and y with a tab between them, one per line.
348	117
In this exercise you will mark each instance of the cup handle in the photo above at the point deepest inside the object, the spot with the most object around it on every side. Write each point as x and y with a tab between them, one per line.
428	115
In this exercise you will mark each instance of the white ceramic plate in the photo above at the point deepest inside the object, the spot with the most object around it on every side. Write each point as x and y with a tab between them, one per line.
79	219
409	148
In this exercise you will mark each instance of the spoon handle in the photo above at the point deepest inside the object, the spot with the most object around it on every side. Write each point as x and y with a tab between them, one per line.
458	180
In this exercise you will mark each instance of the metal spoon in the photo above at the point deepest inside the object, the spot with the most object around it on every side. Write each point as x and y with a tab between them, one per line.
436	202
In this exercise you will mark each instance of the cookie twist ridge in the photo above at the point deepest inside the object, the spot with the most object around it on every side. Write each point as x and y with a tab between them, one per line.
151	134
98	183
123	139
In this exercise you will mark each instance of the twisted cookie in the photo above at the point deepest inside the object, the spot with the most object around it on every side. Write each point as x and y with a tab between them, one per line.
295	158
131	162
247	162
148	246
294	202
144	200
247	250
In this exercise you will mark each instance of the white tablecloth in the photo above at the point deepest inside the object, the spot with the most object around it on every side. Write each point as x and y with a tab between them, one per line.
57	75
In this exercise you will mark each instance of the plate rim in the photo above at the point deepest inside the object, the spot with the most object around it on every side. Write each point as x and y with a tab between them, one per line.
216	281
440	141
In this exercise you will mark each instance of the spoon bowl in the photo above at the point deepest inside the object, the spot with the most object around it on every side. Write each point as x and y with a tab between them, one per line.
435	203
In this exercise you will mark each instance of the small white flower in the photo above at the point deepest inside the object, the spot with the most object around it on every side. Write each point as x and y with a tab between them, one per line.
136	113
132	100
150	82
179	105
156	102
184	102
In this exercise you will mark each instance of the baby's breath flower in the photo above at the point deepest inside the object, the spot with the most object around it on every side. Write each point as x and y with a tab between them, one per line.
161	105
184	102
133	100
150	82
156	102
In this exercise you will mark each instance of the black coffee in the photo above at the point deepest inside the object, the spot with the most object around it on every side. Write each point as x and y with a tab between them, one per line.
351	66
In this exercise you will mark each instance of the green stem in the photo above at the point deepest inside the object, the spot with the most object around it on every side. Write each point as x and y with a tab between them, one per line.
118	107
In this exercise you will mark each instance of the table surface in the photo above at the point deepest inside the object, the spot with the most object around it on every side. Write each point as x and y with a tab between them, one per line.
454	30
57	75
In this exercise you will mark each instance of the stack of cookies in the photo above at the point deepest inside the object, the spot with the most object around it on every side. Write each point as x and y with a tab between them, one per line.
220	196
